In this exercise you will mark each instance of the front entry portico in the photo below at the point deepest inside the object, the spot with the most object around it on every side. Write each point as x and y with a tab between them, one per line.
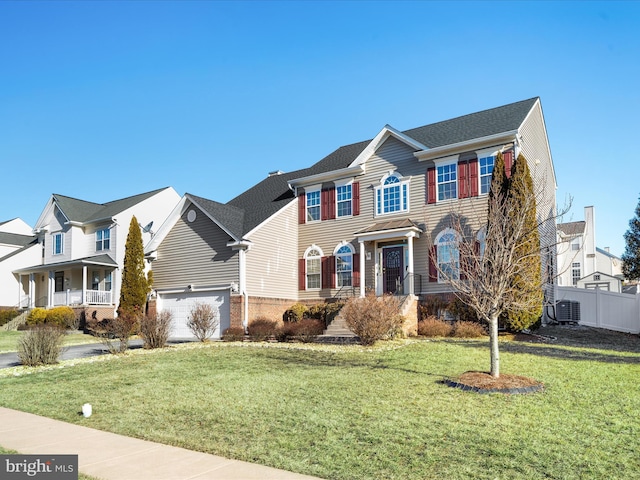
394	268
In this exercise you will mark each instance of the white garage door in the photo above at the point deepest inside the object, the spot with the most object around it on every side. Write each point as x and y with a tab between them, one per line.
180	304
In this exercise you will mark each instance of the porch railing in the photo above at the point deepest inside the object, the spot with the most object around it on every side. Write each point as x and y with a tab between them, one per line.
410	284
74	297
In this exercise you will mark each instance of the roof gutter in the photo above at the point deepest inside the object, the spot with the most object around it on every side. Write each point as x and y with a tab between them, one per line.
467	145
327	176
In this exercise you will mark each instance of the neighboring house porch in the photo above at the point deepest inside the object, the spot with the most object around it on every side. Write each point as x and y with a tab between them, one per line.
86	281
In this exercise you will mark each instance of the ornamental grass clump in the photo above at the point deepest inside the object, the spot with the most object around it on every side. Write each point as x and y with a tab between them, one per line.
373	318
40	345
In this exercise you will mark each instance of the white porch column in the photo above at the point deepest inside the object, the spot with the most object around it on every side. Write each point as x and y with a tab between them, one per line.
50	288
32	290
410	266
362	269
84	285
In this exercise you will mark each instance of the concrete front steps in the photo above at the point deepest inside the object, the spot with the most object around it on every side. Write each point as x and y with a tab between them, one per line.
338	332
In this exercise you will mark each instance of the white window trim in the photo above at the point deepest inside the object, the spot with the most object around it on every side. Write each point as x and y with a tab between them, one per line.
343	183
403	182
306	272
335	254
53	243
107	229
312	189
485	152
451	159
446	231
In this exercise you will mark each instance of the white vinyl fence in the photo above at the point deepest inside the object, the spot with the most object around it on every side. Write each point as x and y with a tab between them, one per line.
602	309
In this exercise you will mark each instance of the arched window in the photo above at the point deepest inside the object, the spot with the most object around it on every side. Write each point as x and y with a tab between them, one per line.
447	243
344	265
392	195
313	260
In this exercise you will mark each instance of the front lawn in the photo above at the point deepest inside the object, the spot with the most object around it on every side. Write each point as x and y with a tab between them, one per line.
349	412
9	340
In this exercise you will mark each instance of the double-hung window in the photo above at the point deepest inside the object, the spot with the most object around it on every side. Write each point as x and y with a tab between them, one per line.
344	196
107	281
447	243
575	273
344	265
313	258
313	205
58	243
103	239
447	176
392	196
486	170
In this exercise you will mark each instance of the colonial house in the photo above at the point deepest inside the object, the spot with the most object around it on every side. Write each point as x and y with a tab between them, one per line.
80	247
369	217
581	264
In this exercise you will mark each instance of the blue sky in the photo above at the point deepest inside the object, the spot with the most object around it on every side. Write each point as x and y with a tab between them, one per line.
102	100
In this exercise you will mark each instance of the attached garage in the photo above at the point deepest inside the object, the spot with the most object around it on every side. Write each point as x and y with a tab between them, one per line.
181	303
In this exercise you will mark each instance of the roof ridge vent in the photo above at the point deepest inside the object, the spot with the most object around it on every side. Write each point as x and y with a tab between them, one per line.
275	172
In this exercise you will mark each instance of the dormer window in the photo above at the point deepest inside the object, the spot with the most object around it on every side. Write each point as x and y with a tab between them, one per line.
58	243
392	196
103	239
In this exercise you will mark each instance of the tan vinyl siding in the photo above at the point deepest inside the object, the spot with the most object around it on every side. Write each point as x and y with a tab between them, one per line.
195	253
535	148
271	260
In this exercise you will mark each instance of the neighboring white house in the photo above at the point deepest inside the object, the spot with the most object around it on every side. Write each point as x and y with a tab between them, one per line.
580	263
80	249
18	247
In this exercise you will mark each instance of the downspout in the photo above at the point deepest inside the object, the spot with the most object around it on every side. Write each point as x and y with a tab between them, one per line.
243	287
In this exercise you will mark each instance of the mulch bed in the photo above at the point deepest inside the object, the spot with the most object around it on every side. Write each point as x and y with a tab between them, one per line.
483	382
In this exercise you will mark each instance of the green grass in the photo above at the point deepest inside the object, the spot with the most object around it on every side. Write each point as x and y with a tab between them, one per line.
9	340
81	476
356	413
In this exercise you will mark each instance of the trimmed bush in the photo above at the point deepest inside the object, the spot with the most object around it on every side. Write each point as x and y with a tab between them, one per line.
155	329
262	329
373	318
64	317
295	313
41	345
432	327
306	330
7	315
203	321
233	334
37	316
468	330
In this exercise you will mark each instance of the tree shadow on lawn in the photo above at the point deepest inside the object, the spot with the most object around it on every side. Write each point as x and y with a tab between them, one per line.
319	359
564	352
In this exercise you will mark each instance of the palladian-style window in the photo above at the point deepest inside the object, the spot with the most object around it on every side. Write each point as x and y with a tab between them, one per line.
392	195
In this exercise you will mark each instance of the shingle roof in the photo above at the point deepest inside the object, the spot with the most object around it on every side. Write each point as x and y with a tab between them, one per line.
82	211
572	228
15	239
232	218
267	197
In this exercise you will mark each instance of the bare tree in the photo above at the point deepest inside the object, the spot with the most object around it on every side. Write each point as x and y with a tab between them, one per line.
483	274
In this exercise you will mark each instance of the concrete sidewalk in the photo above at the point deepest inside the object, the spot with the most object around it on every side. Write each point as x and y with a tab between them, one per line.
108	456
